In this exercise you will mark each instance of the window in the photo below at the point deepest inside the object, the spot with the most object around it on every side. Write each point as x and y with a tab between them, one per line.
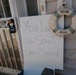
4	9
32	7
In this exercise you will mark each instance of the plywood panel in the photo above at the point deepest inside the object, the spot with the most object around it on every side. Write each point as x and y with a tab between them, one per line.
41	47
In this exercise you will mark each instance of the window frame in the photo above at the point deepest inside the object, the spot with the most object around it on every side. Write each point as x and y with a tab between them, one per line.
4	11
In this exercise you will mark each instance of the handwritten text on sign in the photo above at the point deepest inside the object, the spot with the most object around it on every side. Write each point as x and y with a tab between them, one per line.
41	47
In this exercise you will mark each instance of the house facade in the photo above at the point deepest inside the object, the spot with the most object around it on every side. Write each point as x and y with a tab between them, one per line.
22	8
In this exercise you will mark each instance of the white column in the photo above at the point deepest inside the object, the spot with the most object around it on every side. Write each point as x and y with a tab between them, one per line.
38	4
15	14
13	8
42	7
25	7
21	7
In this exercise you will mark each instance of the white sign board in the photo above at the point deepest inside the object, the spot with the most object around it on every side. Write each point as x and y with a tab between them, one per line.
41	47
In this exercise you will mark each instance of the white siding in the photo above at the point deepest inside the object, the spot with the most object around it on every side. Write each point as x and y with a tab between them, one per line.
70	44
51	7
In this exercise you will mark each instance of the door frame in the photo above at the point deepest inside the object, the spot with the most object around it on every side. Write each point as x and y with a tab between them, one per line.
15	16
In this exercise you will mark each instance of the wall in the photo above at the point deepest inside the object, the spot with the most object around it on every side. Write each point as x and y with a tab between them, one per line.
70	41
70	44
51	6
